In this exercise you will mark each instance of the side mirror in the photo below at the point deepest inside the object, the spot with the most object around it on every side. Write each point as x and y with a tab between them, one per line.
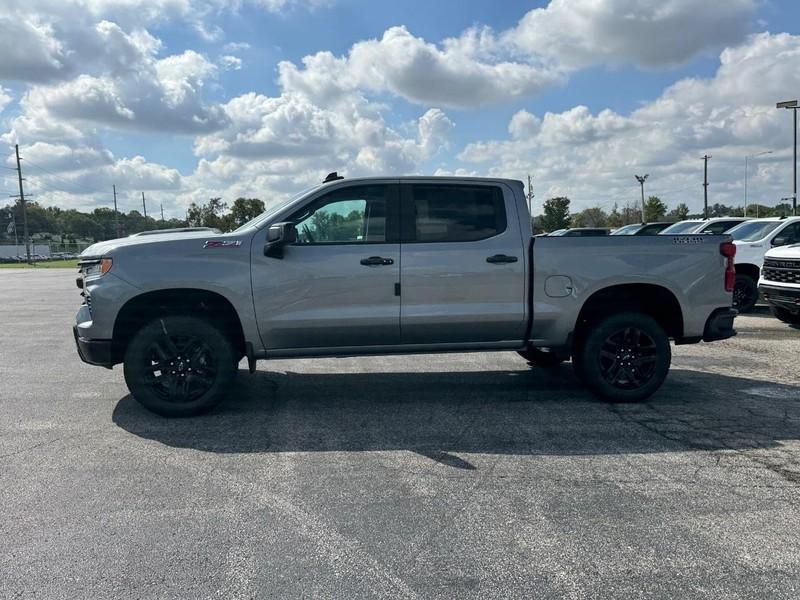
279	235
780	241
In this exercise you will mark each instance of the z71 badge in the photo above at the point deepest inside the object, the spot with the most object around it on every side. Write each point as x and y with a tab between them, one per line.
222	243
688	239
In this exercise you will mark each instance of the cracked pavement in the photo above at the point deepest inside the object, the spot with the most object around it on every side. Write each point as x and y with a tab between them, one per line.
438	476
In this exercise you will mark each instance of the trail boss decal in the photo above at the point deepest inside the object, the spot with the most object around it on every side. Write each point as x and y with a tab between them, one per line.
222	244
688	239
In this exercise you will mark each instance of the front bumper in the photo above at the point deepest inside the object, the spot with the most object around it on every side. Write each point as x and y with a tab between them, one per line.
93	352
719	325
782	297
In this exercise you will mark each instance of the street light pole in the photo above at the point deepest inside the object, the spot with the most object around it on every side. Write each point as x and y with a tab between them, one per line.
792	105
641	179
744	210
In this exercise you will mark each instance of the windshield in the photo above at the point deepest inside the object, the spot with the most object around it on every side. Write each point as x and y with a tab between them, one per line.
256	221
627	230
681	227
754	230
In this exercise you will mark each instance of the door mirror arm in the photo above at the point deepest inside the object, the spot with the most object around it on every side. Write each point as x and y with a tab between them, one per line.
278	236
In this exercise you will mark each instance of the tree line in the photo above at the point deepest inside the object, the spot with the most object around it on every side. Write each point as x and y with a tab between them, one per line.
556	214
51	222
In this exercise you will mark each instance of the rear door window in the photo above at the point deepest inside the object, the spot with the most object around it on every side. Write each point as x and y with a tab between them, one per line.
453	213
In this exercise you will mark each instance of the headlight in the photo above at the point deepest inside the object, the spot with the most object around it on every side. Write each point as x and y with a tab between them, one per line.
95	267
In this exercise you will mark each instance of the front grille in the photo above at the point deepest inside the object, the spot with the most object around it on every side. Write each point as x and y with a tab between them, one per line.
88	300
781	270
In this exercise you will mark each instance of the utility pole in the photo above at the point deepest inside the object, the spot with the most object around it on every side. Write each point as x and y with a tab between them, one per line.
144	206
530	200
24	209
641	179
116	214
705	185
162	211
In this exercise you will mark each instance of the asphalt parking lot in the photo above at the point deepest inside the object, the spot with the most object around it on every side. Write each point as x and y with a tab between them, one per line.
410	477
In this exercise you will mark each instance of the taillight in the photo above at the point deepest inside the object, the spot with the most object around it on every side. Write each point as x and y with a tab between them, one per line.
728	250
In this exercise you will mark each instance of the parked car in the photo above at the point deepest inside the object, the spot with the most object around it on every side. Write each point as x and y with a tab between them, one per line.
682	227
753	239
580	232
322	275
715	225
641	228
780	282
719	225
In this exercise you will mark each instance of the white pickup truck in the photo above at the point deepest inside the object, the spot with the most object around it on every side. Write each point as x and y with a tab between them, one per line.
396	265
753	240
780	282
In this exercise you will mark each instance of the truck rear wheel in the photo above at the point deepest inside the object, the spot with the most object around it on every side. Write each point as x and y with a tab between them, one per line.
785	315
541	358
624	357
179	366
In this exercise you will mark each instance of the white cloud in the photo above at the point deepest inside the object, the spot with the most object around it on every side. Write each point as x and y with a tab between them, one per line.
460	73
236	46
5	98
592	157
141	93
524	125
230	63
94	65
29	51
649	33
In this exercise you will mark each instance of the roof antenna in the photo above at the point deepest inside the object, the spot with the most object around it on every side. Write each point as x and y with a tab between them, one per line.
332	177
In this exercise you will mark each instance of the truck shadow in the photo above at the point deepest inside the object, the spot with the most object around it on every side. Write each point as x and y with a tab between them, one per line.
444	414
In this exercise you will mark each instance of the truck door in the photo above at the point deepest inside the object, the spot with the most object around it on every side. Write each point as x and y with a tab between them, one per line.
463	264
337	285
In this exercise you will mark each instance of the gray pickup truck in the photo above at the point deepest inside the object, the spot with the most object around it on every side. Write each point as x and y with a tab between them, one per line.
396	266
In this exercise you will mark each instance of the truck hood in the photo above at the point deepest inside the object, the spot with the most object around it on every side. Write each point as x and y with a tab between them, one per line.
109	246
792	251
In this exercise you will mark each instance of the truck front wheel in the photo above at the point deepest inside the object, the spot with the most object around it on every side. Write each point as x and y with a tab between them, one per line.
745	293
624	357
179	366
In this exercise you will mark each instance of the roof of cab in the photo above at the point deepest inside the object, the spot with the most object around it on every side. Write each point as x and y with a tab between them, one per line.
436	178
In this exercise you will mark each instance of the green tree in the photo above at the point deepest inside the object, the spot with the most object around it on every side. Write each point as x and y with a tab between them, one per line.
243	210
556	214
614	219
208	215
680	212
654	209
80	225
590	217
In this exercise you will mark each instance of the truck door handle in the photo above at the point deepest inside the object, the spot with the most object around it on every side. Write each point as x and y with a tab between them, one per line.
377	260
501	258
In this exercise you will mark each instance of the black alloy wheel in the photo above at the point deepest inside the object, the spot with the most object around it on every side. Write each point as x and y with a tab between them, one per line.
624	357
745	293
628	358
179	369
179	366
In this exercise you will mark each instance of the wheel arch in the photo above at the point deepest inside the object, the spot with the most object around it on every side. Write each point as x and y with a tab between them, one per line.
651	299
748	269
204	304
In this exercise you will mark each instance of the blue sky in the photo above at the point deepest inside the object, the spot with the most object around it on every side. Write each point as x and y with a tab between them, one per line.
552	88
